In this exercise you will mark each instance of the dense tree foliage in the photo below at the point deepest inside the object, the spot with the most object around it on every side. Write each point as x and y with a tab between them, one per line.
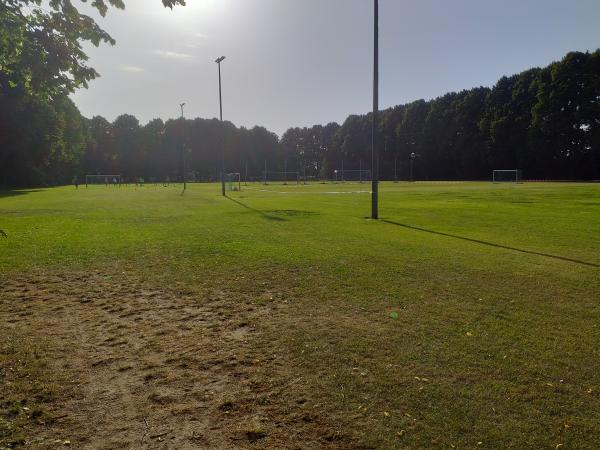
40	142
543	121
42	134
155	151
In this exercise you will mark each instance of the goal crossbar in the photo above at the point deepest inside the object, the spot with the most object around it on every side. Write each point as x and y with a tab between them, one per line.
234	181
355	174
281	176
103	179
507	176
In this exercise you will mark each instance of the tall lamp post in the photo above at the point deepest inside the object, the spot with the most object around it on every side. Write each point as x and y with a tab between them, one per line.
219	61
374	148
181	105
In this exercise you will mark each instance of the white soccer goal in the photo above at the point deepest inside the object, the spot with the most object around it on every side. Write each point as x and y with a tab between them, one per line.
508	176
234	181
107	180
281	177
342	175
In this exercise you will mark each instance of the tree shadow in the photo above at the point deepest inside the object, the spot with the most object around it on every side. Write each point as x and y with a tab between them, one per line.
257	211
492	244
15	192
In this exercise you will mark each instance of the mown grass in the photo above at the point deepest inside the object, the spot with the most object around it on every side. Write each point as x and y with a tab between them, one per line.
467	317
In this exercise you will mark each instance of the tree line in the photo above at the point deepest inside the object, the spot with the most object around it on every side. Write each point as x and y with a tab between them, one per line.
544	121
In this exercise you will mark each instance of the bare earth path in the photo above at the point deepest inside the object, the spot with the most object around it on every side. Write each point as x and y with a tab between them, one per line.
144	367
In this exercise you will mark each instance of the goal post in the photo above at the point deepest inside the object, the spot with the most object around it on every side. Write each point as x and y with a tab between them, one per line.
342	175
234	181
507	176
112	180
280	177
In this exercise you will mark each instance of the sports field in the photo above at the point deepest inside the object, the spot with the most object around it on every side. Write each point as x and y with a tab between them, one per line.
281	317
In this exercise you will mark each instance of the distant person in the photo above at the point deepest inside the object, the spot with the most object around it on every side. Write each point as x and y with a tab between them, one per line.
76	182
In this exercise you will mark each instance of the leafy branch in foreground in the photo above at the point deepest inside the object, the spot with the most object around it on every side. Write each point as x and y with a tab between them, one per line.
41	44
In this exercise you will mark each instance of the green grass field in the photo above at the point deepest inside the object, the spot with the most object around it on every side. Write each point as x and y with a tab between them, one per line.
468	317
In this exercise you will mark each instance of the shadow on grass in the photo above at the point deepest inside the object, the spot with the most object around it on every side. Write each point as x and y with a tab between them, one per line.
292	212
257	211
491	244
15	192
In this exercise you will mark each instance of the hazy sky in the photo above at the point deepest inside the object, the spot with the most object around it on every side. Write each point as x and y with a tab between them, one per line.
303	62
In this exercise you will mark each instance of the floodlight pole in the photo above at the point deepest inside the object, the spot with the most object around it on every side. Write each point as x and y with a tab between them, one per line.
219	61
374	149
181	105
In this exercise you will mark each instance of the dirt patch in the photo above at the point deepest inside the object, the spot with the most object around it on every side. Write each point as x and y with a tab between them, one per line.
147	367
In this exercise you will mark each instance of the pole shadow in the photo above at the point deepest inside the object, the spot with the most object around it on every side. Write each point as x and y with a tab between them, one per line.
492	244
257	211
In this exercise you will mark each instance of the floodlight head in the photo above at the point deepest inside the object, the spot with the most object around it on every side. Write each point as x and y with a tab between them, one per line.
182	105
219	60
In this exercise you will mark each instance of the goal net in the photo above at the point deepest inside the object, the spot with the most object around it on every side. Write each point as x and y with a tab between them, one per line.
234	181
106	180
342	175
281	177
508	176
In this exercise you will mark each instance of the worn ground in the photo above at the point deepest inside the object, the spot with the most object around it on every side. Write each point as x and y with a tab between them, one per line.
137	366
